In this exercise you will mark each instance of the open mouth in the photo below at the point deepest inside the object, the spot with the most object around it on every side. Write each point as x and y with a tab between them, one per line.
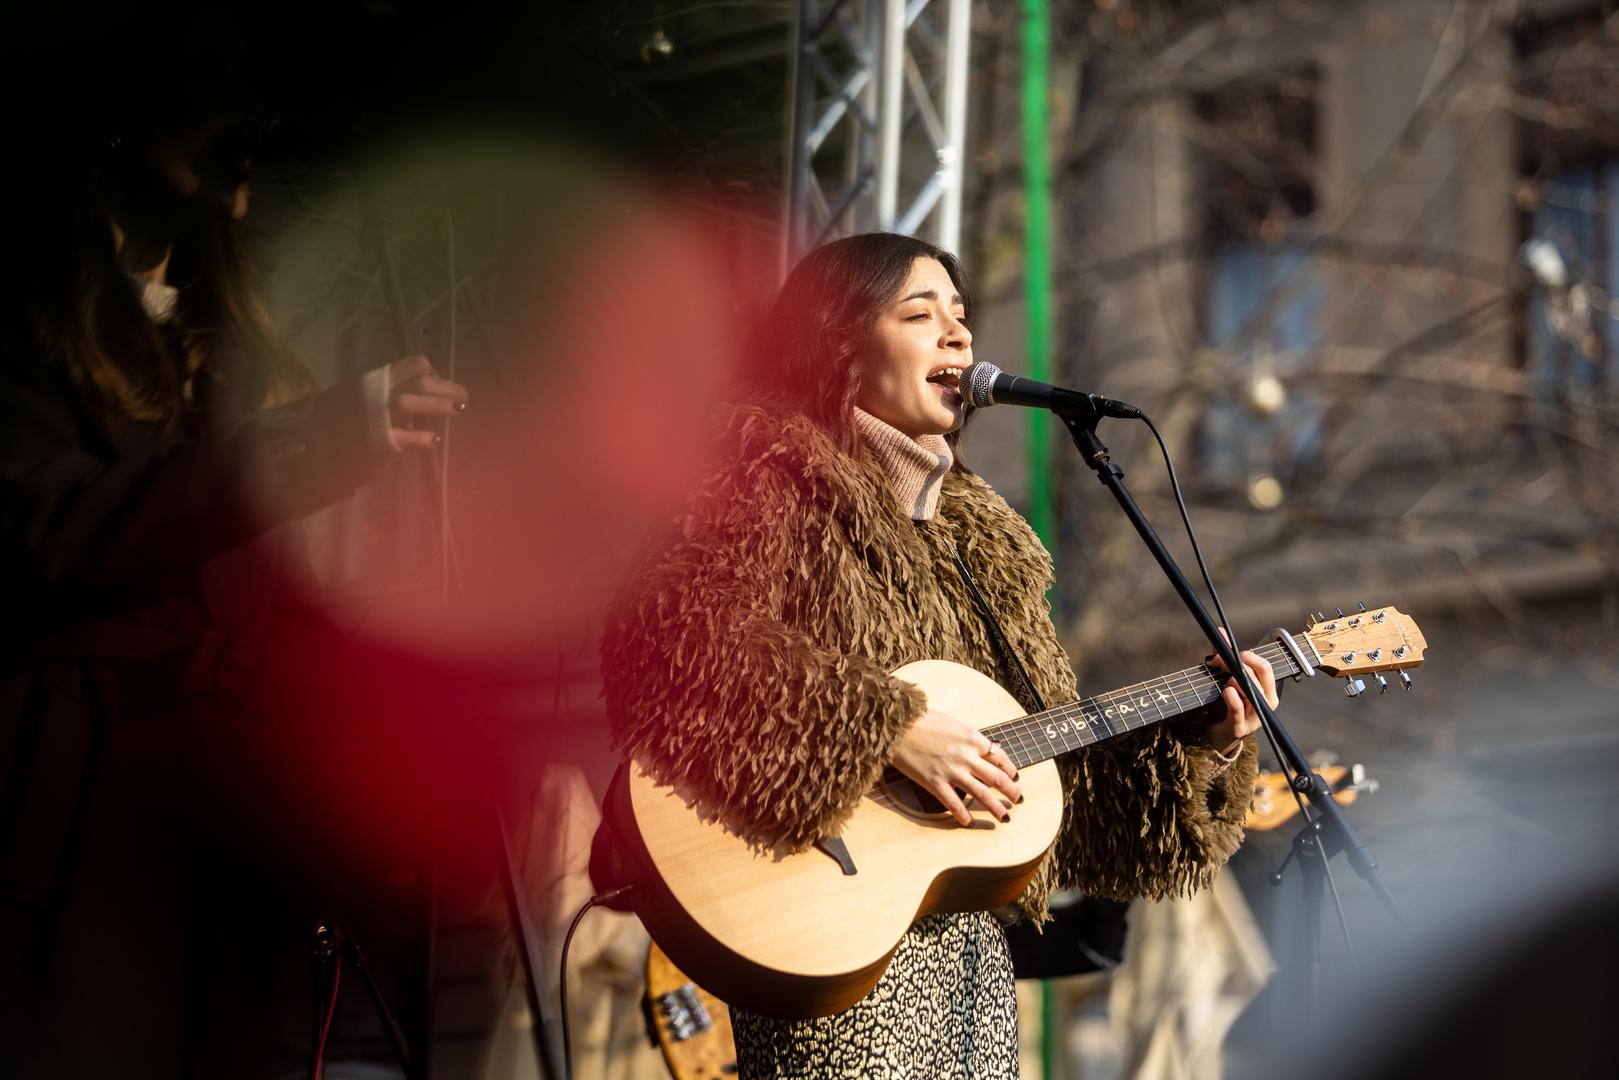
948	377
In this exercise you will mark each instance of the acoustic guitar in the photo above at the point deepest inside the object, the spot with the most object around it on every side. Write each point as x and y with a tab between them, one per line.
809	934
693	1027
1274	805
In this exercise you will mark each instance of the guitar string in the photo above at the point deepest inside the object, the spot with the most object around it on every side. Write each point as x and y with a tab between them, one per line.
1026	733
1074	725
1054	727
1196	681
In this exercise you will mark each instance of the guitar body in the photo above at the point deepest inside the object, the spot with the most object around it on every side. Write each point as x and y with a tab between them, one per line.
1274	806
795	936
692	1025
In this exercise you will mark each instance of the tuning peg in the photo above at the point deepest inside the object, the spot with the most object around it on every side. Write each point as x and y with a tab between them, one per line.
1382	683
1339	611
1405	679
1354	688
1363	605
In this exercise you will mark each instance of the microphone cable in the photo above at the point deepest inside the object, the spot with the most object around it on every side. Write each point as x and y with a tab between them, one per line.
1270	736
601	899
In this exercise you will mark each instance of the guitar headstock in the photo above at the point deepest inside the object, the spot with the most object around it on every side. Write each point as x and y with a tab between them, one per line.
1367	643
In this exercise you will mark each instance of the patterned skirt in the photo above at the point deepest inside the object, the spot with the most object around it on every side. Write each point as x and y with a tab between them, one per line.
945	1008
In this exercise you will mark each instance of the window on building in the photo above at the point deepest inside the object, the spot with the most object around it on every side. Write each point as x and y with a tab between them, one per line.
1261	305
1568	76
1570	340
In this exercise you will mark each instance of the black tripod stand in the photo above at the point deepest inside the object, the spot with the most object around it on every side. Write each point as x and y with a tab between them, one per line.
336	956
333	949
1312	847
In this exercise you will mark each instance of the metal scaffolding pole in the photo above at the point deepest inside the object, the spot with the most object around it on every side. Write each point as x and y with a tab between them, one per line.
879	118
890	121
952	155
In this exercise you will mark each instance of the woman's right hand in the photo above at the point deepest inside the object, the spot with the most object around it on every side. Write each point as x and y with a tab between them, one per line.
415	393
946	755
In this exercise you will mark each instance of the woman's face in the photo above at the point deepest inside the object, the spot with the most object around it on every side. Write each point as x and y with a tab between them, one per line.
919	346
200	161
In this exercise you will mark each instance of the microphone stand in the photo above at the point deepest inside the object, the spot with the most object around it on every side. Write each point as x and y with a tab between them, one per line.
545	1024
1080	413
1312	849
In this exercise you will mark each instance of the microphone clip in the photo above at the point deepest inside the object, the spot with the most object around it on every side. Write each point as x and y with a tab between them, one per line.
1089	408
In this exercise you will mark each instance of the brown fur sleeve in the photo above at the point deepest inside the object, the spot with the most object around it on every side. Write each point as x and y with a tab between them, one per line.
711	689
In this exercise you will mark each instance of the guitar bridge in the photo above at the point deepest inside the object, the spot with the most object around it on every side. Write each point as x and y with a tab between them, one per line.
683	1010
838	850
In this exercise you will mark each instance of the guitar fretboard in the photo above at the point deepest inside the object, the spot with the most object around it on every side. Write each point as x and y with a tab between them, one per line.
1040	736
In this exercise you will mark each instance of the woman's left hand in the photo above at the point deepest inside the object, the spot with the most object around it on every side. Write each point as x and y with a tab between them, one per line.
416	393
1241	718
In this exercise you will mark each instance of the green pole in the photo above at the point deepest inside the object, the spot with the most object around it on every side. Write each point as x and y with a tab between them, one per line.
1036	43
1036	23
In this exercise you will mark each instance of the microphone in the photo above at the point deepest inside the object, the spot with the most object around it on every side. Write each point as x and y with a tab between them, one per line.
983	384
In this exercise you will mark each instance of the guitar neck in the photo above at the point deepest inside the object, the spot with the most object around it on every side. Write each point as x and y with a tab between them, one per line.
1040	736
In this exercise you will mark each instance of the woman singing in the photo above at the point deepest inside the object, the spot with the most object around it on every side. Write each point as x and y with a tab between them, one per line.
749	663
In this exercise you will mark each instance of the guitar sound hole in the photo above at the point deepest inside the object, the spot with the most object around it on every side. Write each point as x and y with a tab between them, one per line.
912	797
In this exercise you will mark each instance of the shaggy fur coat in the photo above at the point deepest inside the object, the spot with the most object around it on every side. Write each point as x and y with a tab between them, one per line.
748	663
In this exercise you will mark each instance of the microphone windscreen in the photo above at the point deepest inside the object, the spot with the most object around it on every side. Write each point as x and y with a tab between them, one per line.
978	383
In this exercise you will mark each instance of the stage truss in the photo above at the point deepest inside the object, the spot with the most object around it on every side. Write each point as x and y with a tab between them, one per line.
878	120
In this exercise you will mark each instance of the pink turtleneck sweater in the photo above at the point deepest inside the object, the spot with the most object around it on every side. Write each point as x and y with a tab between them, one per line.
915	467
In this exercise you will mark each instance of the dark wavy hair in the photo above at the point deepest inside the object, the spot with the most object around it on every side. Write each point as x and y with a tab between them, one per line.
808	353
83	148
87	316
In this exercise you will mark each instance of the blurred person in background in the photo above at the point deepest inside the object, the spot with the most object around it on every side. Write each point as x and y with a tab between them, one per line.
748	663
157	447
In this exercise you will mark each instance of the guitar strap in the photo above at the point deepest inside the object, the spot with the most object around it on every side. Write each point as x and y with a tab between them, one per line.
996	634
1095	928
